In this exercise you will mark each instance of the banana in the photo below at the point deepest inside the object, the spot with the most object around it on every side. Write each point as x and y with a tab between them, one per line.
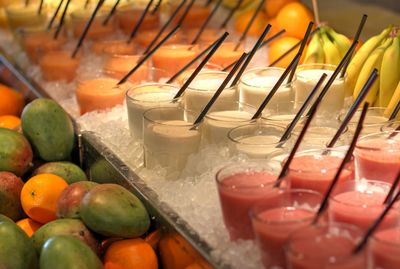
341	41
393	103
315	52
332	54
361	56
373	61
390	72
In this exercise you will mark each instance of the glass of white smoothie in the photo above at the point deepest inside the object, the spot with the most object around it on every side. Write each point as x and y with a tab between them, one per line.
147	96
256	83
203	87
308	76
217	123
282	113
169	139
257	141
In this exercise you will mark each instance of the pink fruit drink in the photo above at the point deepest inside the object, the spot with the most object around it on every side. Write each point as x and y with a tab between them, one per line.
360	203
272	224
377	157
241	187
325	247
385	249
313	170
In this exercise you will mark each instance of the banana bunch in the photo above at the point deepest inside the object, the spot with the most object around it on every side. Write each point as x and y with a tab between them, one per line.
383	53
326	46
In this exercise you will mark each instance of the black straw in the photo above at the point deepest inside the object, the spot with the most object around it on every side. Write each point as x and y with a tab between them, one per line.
205	23
367	86
251	55
183	17
139	22
201	65
164	27
393	188
148	55
111	13
40	7
54	15
230	15
249	24
303	108
219	91
156	8
62	19
395	112
296	146
275	88
344	162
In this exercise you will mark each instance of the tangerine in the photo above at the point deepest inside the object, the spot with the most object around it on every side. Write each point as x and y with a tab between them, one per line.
294	18
272	7
29	226
40	195
280	47
257	26
11	101
130	253
10	122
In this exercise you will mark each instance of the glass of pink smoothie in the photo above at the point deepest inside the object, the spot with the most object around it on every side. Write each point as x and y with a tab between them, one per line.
275	221
242	185
377	156
315	169
384	249
360	202
325	246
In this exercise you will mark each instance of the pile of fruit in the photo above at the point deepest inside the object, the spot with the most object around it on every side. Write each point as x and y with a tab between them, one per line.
51	216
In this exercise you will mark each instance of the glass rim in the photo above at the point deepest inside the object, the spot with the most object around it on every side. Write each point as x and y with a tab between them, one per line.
377	135
299	68
256	124
145	116
208	72
383	241
344	113
82	81
161	85
256	217
256	69
211	117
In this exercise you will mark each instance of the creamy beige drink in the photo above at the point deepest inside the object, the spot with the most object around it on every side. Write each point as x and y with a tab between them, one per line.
256	83
318	137
168	140
203	87
144	97
308	76
257	140
373	123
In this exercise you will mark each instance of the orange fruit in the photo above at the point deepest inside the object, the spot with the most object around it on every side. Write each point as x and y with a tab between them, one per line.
11	102
29	226
294	17
175	252
256	28
272	7
39	196
10	122
130	253
275	28
280	47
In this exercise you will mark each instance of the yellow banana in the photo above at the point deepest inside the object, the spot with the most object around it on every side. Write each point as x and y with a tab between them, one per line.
393	102
332	54
361	56
315	52
373	61
341	41
390	72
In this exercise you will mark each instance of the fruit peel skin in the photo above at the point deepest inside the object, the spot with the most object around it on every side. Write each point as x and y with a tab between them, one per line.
111	210
10	191
15	152
70	227
67	252
49	129
16	248
70	172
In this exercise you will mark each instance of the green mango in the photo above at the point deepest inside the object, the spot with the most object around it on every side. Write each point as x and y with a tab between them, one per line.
10	192
16	248
101	171
70	172
71	227
67	252
111	210
15	152
49	129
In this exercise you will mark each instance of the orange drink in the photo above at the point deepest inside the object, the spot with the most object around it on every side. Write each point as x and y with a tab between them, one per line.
208	36
226	54
117	66
196	16
128	16
58	65
145	38
97	30
110	47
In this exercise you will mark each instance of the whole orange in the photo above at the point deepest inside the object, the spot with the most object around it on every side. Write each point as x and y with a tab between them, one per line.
294	17
280	47
39	196
256	28
130	253
272	7
29	226
11	102
10	122
275	28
